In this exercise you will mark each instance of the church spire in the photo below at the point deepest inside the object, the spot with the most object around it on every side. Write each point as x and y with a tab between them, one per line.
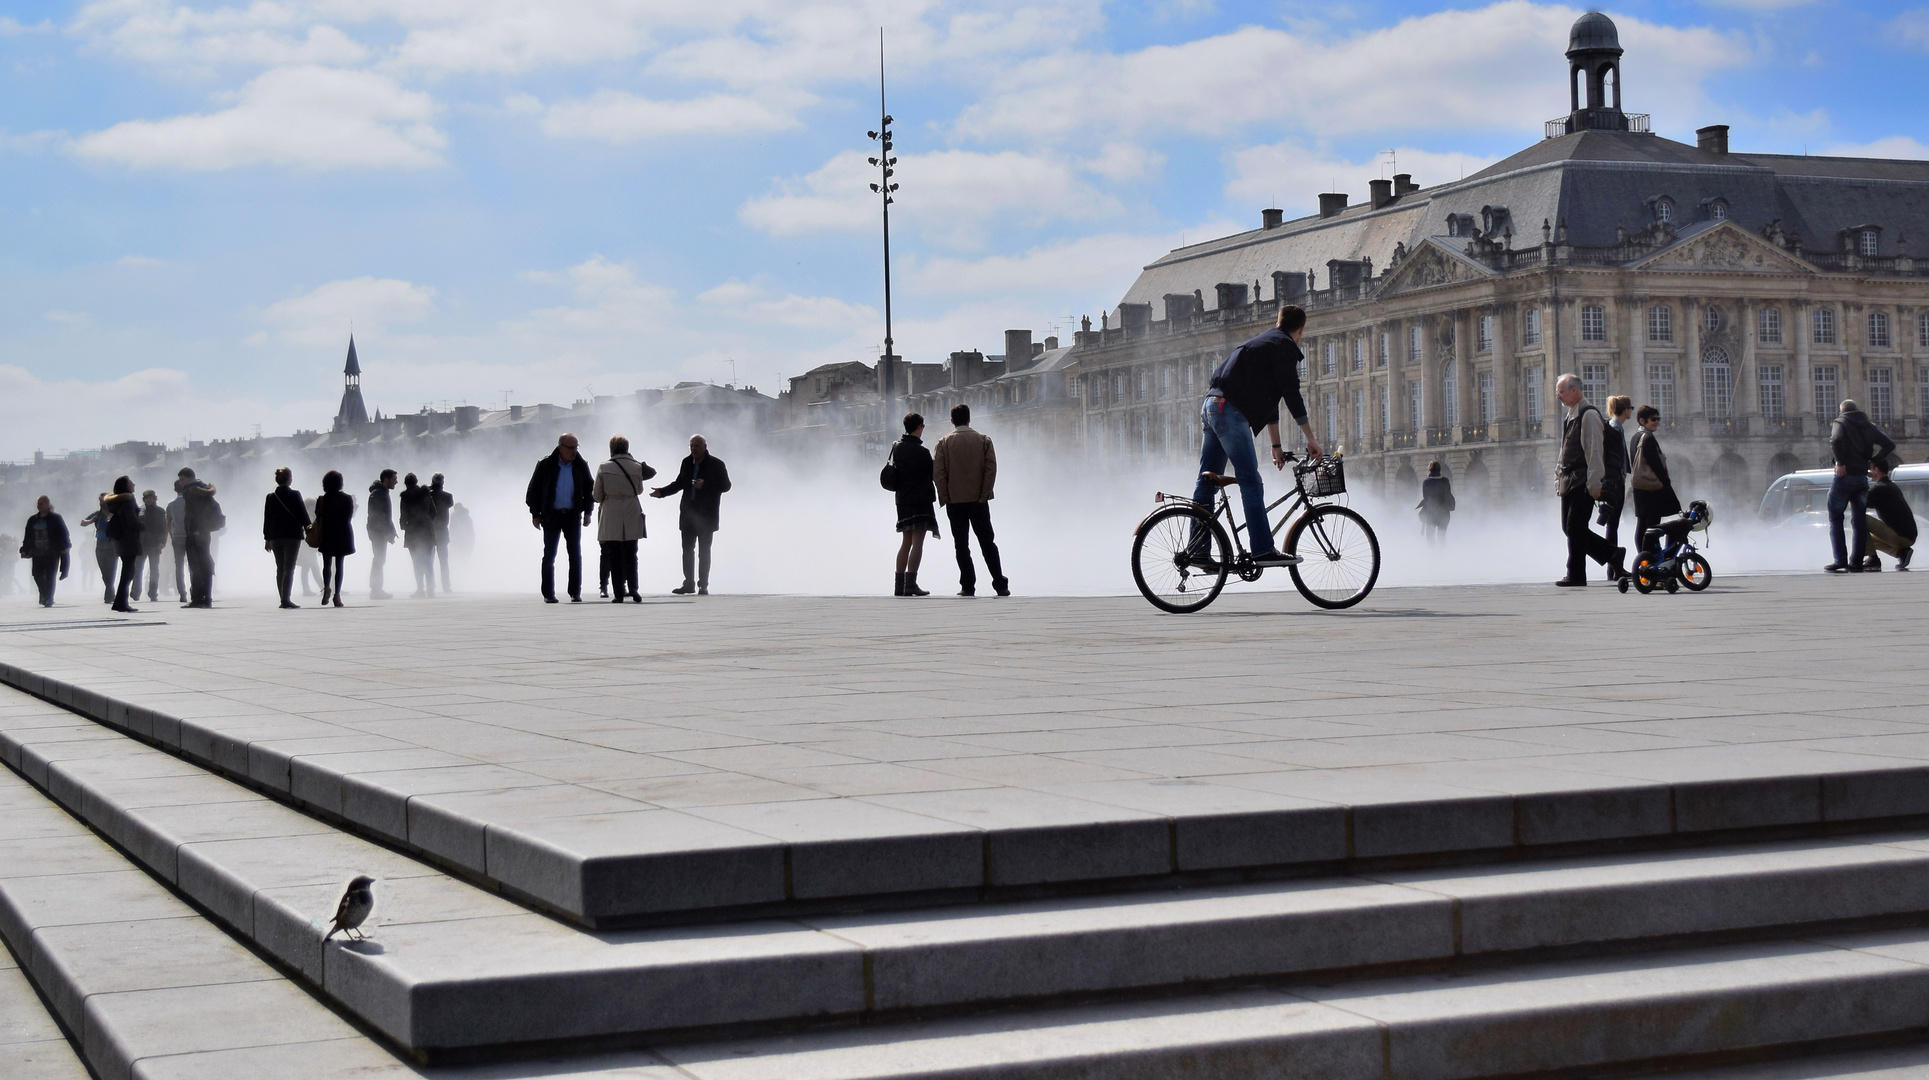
352	412
354	368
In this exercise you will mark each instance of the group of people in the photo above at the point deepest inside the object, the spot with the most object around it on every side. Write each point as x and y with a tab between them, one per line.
564	498
291	527
130	536
958	475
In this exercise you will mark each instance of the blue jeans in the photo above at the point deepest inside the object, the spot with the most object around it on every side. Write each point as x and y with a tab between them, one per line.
1849	493
1230	438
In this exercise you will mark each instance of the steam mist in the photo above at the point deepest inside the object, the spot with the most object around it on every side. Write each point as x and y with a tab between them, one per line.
817	522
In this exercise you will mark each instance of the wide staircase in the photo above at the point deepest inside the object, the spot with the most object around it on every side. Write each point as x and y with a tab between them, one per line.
165	918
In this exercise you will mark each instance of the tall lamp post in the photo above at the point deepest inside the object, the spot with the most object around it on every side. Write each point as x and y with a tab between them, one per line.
887	366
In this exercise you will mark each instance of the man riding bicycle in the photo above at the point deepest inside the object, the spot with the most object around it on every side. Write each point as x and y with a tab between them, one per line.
1244	397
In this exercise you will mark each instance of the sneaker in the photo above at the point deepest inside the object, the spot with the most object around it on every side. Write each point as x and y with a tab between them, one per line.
1276	557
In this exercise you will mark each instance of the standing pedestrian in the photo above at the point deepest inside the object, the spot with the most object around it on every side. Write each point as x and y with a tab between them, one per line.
702	478
1436	506
1614	484
619	492
203	518
155	531
1654	495
335	518
307	559
1854	441
177	536
1579	481
559	504
417	506
381	531
105	555
1892	528
46	543
917	503
964	468
439	503
124	525
284	524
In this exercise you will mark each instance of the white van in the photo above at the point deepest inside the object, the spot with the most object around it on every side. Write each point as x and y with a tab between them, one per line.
1801	499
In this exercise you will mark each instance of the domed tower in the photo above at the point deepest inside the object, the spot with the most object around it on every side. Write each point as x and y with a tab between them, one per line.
1594	54
352	412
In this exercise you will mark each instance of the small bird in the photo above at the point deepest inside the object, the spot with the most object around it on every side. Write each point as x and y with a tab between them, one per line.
356	903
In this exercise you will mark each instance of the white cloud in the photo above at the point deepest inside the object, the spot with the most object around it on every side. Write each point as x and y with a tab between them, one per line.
194	40
950	194
296	117
1120	162
759	305
68	318
1895	146
1493	67
1291	176
322	316
10	27
1104	265
1912	27
619	117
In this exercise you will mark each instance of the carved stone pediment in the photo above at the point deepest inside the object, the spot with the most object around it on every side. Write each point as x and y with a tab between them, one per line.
1728	249
1428	266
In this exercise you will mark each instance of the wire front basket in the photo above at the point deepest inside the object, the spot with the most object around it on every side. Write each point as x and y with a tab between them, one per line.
1326	477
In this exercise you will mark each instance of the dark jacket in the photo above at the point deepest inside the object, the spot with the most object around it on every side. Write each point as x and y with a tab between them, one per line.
541	496
381	513
124	523
1259	373
439	502
1614	453
45	537
155	528
283	515
916	493
1887	502
698	510
204	516
1654	505
1436	500
335	512
1854	440
418	517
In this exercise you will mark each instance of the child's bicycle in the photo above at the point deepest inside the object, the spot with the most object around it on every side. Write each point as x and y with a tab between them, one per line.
1674	562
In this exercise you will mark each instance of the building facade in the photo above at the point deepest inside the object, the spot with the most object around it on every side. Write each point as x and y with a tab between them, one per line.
1743	295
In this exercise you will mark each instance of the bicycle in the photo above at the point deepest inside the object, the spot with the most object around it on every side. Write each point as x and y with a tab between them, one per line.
1181	556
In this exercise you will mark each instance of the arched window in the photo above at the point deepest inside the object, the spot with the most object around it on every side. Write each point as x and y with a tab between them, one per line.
1718	210
1879	330
1711	319
1664	209
1717	383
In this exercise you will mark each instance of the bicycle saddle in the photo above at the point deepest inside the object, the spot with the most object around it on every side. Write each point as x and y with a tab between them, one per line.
1221	481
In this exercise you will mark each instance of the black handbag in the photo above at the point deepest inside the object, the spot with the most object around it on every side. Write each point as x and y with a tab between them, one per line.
887	477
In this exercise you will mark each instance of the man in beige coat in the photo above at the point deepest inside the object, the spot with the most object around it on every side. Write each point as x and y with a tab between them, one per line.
618	496
964	467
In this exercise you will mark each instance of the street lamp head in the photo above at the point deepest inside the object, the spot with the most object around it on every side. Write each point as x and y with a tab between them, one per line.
870	134
872	160
887	118
874	187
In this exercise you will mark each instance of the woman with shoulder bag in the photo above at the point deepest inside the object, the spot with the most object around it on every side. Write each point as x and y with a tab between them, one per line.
620	522
917	500
1654	496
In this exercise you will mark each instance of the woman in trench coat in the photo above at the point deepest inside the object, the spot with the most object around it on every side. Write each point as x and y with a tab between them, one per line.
618	496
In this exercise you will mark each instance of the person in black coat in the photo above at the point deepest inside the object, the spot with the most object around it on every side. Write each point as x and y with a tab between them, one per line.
335	513
560	504
124	527
416	505
45	541
380	522
284	524
917	500
702	479
1654	496
1436	506
1854	441
1614	486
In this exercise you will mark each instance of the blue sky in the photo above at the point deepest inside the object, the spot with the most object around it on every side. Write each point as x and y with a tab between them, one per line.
549	198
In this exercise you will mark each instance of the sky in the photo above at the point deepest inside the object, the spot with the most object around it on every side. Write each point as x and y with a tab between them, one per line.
540	200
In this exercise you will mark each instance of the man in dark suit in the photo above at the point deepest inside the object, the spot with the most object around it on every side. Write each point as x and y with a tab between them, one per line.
559	505
702	480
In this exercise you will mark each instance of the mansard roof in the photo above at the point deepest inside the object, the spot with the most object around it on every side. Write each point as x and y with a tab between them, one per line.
1598	183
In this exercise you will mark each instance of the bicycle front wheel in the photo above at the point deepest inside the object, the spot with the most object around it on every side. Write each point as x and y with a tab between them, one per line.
1180	558
1341	556
1695	572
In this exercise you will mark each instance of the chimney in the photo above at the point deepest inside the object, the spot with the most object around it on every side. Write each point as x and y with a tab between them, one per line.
1037	349
1017	349
1713	138
1051	343
515	412
1382	192
1403	183
1272	218
1331	203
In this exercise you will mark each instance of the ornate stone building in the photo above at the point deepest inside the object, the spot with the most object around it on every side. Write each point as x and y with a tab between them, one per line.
1742	294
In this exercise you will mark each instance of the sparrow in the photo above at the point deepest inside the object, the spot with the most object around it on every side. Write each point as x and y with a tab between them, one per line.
356	903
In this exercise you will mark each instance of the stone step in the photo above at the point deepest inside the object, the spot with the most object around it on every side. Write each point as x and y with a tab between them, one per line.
31	1043
451	967
1906	1062
499	812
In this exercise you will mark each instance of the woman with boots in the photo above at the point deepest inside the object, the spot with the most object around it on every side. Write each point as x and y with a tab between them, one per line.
335	516
619	496
1654	496
917	500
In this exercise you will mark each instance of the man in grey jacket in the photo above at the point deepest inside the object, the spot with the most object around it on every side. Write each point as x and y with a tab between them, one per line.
1581	477
964	467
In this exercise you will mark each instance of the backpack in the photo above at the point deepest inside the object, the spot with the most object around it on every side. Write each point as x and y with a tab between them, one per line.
214	518
887	477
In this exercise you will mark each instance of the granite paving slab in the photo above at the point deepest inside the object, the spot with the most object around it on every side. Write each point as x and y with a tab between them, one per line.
751	752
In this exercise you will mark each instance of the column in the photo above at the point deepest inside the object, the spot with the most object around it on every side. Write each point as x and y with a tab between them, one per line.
1747	403
1801	396
1429	378
1689	378
1465	388
1507	426
1633	311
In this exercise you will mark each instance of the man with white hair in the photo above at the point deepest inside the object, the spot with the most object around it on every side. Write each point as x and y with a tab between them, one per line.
702	479
1579	480
1854	441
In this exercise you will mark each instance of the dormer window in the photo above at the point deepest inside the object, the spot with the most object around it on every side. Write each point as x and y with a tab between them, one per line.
1460	225
1716	209
1867	243
1663	209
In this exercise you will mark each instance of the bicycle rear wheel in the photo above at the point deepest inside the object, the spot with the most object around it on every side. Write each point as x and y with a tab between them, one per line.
1167	562
1341	556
